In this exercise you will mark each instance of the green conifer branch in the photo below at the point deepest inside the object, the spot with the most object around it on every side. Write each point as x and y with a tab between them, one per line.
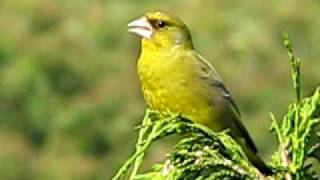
297	129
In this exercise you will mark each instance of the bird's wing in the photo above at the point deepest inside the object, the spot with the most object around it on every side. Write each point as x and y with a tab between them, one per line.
218	83
228	97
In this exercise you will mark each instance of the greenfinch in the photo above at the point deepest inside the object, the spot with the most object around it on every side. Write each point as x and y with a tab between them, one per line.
175	78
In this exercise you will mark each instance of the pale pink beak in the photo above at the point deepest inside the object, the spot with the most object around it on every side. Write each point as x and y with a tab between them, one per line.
141	27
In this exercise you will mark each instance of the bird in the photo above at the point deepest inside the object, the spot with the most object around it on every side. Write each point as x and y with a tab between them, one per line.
175	78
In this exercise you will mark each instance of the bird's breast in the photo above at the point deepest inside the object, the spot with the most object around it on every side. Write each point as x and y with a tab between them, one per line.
172	85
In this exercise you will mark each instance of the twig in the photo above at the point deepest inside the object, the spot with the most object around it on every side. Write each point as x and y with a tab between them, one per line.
142	132
285	160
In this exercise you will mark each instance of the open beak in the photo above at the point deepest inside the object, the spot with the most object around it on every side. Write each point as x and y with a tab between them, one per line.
141	27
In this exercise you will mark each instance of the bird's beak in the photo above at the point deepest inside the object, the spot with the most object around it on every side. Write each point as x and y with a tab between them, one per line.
141	27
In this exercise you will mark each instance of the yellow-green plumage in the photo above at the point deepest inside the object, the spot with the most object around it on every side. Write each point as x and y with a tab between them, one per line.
176	85
175	78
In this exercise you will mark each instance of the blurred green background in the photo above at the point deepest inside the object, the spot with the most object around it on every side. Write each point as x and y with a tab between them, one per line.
70	97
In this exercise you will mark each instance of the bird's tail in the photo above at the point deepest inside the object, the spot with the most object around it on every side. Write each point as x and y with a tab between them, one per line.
258	162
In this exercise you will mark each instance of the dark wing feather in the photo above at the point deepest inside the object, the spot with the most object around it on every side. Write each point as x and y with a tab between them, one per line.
236	117
227	95
217	82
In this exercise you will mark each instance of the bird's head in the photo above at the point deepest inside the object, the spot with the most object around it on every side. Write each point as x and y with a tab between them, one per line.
161	30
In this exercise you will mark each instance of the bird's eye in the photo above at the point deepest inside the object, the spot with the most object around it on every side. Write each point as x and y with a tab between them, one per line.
160	24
